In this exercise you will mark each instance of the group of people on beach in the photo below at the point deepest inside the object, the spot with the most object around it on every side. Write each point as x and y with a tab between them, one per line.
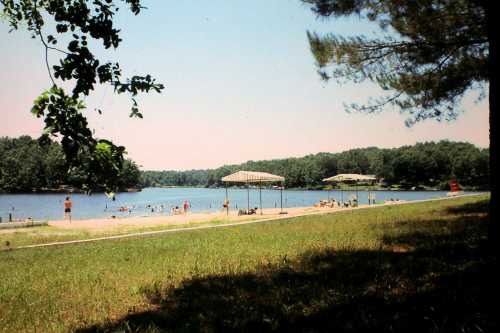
68	205
159	208
332	203
185	207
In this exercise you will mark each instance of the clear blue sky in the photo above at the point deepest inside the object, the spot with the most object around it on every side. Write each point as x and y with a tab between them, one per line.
240	84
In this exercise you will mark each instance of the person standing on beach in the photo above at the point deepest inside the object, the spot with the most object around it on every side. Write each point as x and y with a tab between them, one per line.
67	208
186	206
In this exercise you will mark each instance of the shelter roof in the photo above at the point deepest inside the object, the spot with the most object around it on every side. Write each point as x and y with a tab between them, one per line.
252	177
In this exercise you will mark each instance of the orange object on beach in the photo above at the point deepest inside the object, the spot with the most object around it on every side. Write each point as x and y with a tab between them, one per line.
454	186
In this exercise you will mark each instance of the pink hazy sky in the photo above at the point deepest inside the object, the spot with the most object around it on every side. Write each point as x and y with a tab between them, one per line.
240	85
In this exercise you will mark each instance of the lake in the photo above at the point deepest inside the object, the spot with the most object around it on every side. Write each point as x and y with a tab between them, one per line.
149	201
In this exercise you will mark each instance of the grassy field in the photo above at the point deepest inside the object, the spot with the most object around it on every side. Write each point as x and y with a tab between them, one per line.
48	234
413	268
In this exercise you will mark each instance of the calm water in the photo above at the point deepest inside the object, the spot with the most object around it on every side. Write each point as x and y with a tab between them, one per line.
50	206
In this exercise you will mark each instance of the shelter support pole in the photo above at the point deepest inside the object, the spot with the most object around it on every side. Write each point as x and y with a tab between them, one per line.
260	197
227	205
281	197
248	197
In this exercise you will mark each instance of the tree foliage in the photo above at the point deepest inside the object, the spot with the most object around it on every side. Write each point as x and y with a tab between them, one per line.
432	52
424	164
27	166
79	22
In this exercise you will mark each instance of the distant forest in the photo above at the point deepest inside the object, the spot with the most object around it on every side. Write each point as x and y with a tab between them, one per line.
26	166
423	165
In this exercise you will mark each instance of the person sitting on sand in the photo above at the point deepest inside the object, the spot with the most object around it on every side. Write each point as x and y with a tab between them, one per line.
177	210
251	211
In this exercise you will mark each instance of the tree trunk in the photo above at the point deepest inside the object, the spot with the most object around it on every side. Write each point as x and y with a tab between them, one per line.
489	289
493	100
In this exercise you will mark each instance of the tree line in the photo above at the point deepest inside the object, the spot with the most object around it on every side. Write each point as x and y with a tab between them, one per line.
426	165
29	165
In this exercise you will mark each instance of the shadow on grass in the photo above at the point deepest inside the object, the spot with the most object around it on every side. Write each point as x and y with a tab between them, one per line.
436	283
477	207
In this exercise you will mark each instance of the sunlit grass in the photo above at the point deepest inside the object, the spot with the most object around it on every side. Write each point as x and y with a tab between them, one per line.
66	287
50	234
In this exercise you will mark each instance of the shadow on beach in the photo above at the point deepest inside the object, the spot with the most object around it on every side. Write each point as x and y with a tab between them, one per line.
418	281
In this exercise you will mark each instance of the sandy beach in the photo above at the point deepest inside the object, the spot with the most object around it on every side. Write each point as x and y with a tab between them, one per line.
131	224
108	224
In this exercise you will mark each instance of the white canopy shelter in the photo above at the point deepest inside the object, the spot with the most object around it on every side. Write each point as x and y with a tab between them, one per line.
248	177
252	177
351	177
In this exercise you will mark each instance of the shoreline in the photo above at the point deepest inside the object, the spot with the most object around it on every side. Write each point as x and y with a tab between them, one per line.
134	190
66	191
108	229
108	224
166	214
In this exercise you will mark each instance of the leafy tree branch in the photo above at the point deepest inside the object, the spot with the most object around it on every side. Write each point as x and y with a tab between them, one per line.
79	21
432	53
